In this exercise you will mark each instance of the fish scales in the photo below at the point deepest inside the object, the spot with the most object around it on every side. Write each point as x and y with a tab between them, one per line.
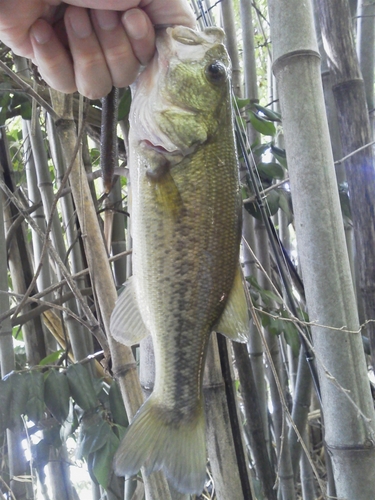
186	229
202	253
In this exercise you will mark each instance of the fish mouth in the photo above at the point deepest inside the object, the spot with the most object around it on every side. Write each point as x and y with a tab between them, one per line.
174	155
156	147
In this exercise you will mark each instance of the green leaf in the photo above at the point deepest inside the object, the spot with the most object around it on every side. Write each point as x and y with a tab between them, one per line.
35	403
101	391
254	295
261	149
280	155
241	103
17	99
70	424
253	210
253	282
94	433
271	115
20	357
116	405
272	202
285	203
261	125
124	105
345	200
265	319
81	386
275	326
303	314
52	436
26	110
18	399
5	99
17	333
291	336
51	358
57	394
270	171
5	395
102	461
268	295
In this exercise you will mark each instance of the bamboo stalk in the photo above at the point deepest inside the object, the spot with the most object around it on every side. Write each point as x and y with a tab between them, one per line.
250	268
83	339
41	93
285	471
254	421
219	437
328	283
20	264
123	363
16	457
301	404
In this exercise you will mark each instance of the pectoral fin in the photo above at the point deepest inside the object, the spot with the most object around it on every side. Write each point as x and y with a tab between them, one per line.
167	195
126	324
234	322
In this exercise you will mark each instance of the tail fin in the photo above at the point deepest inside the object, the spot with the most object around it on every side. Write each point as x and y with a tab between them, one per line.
179	449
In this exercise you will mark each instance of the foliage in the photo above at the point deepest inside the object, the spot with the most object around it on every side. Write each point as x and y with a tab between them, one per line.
274	316
57	398
62	403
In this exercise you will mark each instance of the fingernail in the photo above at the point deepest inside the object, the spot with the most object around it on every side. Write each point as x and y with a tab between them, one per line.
107	19
41	32
135	24
80	24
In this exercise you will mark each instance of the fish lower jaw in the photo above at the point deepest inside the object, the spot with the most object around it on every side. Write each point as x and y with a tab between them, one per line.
172	154
159	149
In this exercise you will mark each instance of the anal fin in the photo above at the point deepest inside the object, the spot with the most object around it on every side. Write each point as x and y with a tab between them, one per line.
126	325
234	323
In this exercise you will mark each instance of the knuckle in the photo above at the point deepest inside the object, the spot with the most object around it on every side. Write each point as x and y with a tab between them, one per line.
95	90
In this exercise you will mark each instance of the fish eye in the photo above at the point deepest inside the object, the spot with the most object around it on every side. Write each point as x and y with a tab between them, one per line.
216	72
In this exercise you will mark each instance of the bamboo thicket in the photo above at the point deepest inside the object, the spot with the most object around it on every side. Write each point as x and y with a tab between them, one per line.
65	252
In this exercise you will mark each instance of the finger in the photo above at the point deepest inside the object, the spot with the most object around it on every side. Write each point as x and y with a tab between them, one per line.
169	12
141	34
16	20
122	64
52	59
92	75
105	4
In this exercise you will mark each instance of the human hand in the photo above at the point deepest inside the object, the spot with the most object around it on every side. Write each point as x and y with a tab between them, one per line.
89	45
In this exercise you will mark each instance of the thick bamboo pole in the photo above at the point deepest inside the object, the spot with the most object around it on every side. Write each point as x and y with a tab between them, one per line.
123	363
347	404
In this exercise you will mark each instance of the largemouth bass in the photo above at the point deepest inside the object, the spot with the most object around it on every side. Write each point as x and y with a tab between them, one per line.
186	229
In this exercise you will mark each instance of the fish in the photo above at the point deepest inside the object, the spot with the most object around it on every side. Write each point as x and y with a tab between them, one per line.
186	228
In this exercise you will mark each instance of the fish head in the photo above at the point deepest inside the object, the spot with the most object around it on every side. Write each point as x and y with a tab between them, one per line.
182	97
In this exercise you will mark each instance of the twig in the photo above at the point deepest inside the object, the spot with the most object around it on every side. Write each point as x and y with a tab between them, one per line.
282	397
7	487
354	152
45	236
58	285
29	90
266	191
43	306
94	325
